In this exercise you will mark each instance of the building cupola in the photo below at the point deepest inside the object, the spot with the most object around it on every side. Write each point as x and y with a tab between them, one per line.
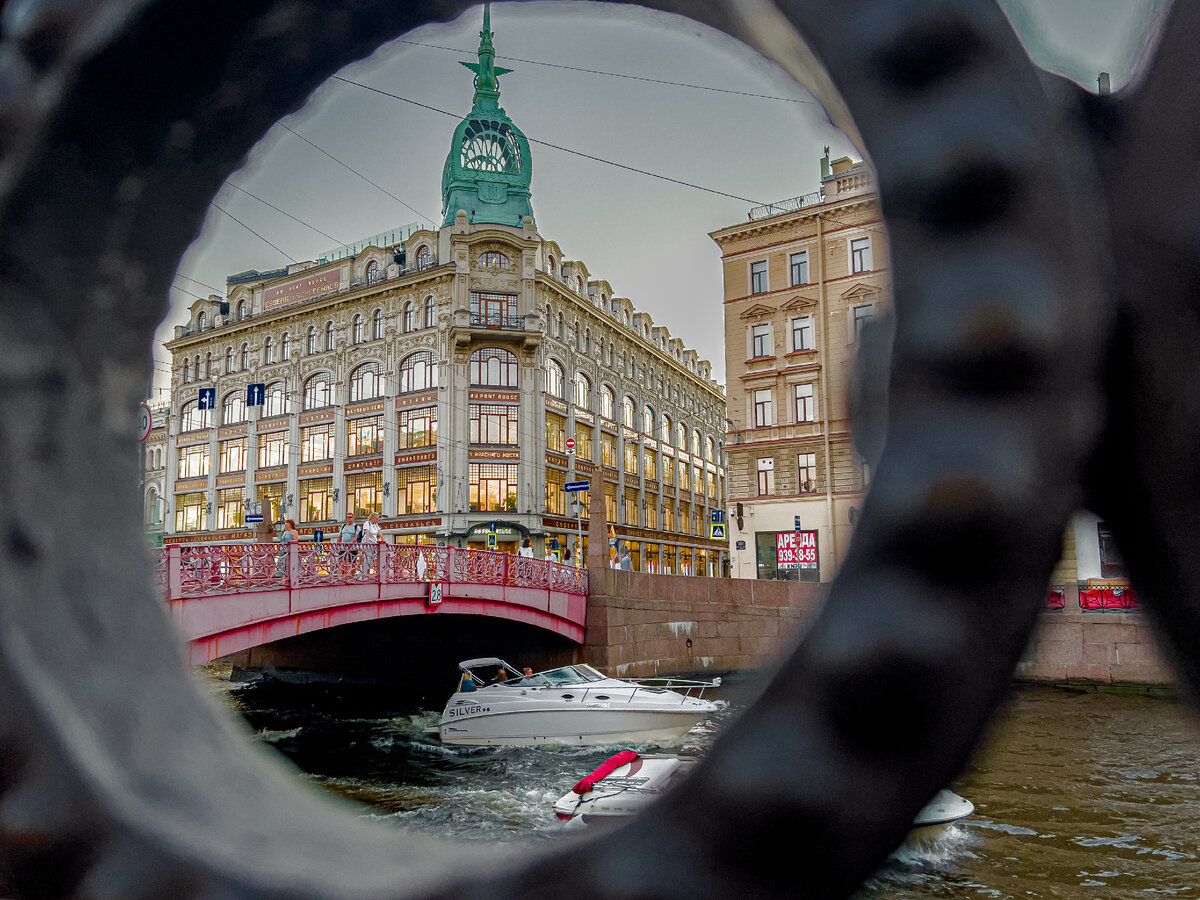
489	168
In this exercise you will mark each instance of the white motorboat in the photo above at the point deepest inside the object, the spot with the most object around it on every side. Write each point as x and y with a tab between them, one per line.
626	783
496	704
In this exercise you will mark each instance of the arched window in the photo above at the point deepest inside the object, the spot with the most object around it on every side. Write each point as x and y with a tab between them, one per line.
268	351
559	332
372	274
197	366
366	382
311	347
494	367
664	428
648	420
608	402
579	284
554	378
245	363
424	257
577	336
583	391
627	412
318	391
377	325
202	320
406	318
587	341
696	442
681	436
187	368
152	507
358	335
708	449
233	408
277	401
241	310
228	360
328	335
208	365
193	418
494	260
285	347
430	306
418	372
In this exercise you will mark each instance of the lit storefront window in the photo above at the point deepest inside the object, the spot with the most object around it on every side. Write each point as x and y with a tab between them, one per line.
193	461
189	511
416	490
233	456
364	436
272	450
316	443
316	500
417	428
493	487
364	492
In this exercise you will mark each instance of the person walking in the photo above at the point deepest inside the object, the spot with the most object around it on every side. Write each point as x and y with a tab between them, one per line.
349	538
626	562
287	536
370	542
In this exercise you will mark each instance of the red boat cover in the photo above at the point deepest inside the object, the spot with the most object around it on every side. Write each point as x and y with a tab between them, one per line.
605	768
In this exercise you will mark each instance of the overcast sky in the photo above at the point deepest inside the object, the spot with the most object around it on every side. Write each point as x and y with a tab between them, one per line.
647	236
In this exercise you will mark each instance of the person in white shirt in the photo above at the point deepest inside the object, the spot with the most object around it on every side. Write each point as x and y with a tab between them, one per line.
370	540
526	549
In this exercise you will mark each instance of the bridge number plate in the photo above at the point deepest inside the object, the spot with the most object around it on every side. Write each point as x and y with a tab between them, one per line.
435	593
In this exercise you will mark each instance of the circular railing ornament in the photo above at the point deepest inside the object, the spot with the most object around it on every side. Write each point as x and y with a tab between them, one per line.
119	121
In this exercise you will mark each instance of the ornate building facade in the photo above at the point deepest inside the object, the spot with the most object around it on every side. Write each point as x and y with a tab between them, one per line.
802	277
453	380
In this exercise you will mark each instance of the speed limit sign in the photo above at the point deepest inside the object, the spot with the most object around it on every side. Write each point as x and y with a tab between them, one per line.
145	422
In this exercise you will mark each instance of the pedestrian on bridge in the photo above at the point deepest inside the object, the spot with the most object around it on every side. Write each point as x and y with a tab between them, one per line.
349	536
370	541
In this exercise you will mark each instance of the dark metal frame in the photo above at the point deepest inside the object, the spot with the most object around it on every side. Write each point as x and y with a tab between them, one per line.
1028	376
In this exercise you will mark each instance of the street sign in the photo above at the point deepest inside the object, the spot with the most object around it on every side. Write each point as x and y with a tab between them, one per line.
741	545
798	526
716	531
145	423
256	394
572	487
796	550
253	518
570	445
491	542
435	593
717	515
207	398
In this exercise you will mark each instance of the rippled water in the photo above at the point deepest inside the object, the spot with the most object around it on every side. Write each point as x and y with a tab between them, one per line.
1077	794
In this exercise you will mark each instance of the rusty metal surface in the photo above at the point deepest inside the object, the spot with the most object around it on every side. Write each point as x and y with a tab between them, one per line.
1007	194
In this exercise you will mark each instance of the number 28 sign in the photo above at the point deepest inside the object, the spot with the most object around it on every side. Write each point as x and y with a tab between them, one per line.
796	549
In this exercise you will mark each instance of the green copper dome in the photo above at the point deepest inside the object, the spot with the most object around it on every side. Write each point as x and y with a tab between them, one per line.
489	168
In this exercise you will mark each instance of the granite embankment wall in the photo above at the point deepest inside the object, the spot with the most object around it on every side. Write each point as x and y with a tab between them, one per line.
640	625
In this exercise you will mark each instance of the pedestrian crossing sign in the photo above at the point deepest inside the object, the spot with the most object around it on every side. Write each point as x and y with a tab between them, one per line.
717	531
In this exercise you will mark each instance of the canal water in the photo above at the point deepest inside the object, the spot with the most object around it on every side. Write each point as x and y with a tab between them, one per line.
1077	794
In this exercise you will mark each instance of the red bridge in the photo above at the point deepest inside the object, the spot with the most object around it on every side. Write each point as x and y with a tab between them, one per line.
230	597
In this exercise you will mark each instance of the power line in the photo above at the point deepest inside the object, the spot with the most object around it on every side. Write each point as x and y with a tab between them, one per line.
194	281
559	147
336	241
355	171
214	205
681	84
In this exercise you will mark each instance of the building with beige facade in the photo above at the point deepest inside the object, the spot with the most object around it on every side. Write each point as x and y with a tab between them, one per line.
453	379
802	277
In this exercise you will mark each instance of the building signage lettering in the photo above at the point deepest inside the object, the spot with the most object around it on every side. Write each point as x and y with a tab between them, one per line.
410	459
309	471
230	480
494	454
556	404
419	523
279	474
364	409
422	399
796	549
494	396
317	418
205	538
302	289
375	462
191	438
231	431
196	484
586	417
584	467
279	423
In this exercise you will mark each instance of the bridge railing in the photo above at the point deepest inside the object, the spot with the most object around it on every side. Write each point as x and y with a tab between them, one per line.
197	570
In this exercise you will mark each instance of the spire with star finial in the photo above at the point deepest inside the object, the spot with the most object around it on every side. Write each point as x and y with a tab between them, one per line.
487	74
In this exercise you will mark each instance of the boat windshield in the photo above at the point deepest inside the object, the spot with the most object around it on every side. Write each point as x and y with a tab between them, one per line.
571	675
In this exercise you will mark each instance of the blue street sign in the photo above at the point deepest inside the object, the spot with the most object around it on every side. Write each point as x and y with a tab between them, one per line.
207	398
491	526
553	543
253	518
798	528
572	487
716	531
716	516
256	395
